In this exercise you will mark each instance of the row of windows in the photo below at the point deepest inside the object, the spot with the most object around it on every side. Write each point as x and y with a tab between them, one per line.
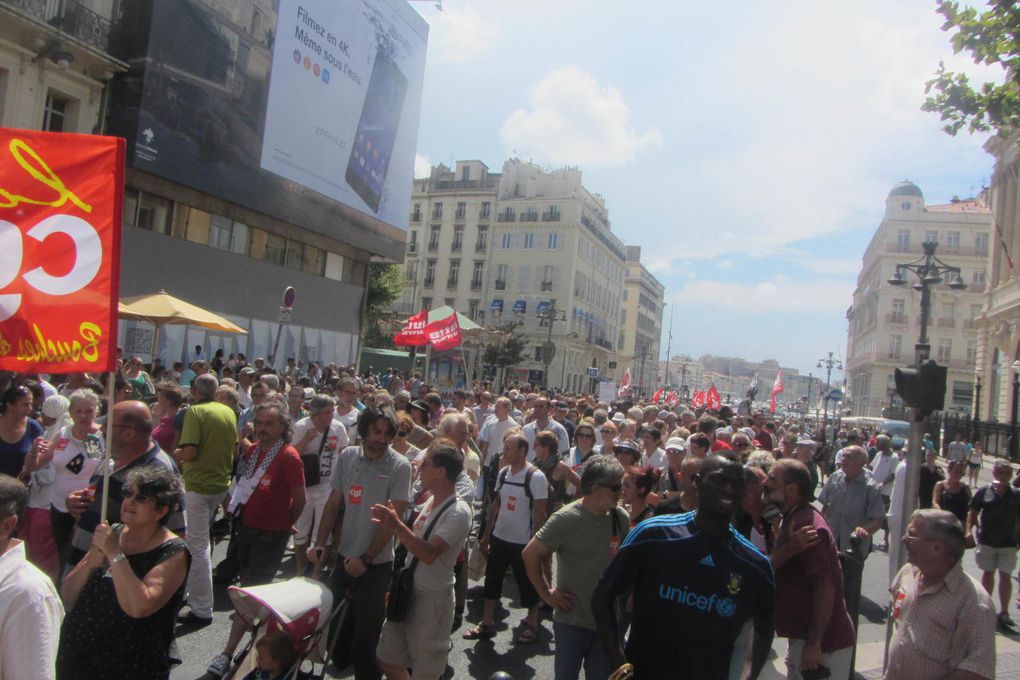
949	244
529	240
460	213
147	211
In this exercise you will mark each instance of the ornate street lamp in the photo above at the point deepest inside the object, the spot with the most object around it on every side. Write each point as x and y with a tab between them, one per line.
930	271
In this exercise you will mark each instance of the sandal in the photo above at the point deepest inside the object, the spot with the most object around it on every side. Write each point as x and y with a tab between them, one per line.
527	634
480	632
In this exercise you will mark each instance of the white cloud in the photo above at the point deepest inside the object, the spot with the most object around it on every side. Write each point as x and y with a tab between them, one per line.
422	166
778	293
571	119
459	34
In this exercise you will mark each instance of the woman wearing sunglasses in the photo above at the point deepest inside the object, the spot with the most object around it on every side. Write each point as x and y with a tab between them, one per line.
123	596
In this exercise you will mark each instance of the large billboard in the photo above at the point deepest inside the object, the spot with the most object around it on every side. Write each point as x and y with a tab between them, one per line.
306	110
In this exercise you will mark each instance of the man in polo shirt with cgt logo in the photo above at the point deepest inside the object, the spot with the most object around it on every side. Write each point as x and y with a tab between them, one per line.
366	475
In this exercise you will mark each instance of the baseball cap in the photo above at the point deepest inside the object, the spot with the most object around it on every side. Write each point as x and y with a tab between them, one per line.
807	441
676	444
628	444
247	370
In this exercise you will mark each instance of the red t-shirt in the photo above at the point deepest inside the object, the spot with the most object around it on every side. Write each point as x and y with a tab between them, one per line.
268	508
718	445
793	584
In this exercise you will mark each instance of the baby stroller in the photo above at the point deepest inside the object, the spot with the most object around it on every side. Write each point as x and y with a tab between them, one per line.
300	607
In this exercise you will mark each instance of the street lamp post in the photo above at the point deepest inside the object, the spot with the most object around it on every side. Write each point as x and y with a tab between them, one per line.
549	315
828	363
930	271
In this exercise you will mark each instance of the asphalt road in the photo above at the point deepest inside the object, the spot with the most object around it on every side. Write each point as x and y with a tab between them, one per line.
482	658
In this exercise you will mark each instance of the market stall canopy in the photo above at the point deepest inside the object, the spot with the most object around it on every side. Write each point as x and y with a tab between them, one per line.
445	311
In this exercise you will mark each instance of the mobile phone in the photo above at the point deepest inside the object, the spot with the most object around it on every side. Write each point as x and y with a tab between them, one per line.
819	673
377	128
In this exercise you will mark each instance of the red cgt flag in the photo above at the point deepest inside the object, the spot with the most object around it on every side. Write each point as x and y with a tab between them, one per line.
713	401
413	333
698	400
444	334
777	387
61	197
657	396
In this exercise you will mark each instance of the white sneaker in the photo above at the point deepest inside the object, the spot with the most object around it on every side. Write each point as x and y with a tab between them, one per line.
219	666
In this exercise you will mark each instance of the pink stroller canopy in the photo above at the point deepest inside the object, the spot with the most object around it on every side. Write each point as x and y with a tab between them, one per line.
299	606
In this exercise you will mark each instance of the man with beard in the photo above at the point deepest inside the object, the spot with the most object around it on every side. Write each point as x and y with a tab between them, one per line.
811	611
694	579
373	473
267	499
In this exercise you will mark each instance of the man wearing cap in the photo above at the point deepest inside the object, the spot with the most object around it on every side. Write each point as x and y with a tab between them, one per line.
669	482
543	422
804	451
559	414
883	470
245	378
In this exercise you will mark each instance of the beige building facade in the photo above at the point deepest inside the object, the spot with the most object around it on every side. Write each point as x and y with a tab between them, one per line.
999	330
55	63
884	320
640	325
528	246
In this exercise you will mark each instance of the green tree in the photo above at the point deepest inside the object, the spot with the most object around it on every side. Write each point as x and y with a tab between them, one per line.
385	283
507	350
991	37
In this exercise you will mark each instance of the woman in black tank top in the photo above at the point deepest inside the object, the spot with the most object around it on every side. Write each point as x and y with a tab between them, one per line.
953	494
638	484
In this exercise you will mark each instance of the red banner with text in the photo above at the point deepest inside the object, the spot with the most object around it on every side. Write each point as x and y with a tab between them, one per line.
61	197
413	333
444	334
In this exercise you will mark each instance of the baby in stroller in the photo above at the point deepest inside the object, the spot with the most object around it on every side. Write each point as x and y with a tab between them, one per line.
275	655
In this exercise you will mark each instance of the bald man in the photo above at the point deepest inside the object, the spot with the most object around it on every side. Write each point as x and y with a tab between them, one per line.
132	447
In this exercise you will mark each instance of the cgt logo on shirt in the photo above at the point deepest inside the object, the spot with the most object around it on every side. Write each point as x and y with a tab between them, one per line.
354	494
724	607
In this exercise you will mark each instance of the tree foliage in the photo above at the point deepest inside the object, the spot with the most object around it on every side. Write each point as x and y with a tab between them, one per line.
991	37
385	284
507	350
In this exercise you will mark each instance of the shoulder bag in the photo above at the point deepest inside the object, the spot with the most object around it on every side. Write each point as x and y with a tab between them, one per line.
398	599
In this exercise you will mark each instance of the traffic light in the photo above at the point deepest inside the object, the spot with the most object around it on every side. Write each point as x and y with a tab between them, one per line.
923	388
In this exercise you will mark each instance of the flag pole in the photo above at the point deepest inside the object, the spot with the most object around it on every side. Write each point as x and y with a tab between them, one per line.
109	443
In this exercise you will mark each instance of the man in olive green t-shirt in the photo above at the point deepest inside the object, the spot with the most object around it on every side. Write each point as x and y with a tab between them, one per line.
584	535
206	453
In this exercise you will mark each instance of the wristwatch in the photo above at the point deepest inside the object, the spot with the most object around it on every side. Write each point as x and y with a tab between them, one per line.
117	558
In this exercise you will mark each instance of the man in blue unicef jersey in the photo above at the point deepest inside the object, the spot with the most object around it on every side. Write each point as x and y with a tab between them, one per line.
696	582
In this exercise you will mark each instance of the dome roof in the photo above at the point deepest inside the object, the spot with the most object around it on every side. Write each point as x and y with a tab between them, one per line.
906	188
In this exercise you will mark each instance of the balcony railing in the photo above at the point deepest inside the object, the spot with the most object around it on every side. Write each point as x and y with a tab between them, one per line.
944	322
429	283
433	246
412	247
506	216
70	17
476	284
500	285
529	216
459	215
456	246
896	317
547	286
551	216
416	217
480	245
484	215
970	323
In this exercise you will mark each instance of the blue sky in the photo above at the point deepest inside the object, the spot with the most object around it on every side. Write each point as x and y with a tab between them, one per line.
749	153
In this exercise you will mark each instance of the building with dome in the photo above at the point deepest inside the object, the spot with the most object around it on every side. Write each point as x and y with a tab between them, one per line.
884	320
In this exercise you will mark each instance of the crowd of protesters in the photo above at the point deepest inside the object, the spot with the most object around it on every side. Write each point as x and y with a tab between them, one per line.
663	541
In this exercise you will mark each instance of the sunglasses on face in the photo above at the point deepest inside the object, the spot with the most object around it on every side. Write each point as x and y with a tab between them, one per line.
615	488
137	497
586	435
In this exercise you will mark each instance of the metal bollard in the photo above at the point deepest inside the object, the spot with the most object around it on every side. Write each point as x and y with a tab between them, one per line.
852	561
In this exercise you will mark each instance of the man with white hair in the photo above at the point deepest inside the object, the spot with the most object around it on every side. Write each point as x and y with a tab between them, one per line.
944	621
206	454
